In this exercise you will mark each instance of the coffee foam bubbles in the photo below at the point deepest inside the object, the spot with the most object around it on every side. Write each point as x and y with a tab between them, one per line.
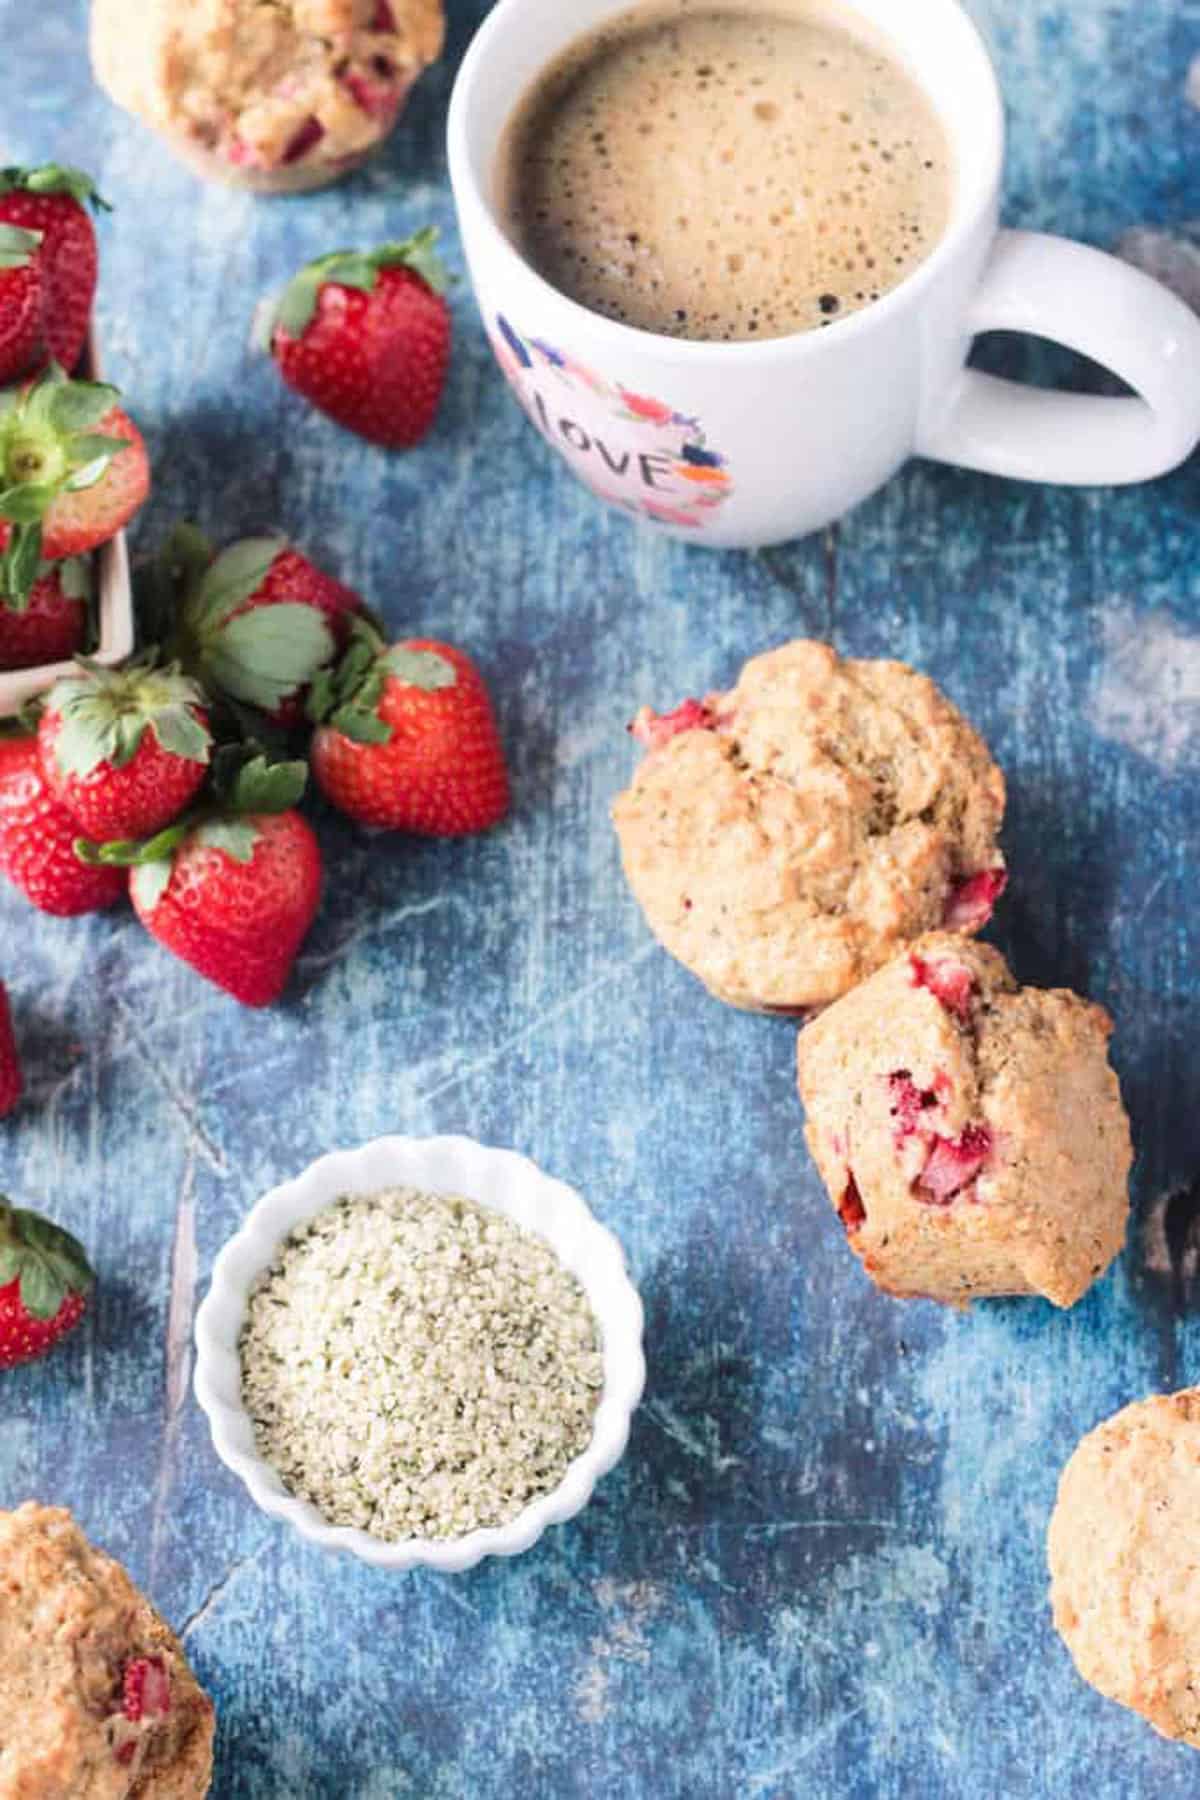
725	173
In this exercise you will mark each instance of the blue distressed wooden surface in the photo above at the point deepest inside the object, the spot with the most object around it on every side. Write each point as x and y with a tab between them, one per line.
819	1571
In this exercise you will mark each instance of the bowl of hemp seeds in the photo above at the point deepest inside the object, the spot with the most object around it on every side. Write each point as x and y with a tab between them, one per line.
421	1352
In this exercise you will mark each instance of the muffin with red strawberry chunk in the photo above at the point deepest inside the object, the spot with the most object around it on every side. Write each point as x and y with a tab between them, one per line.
96	1695
277	98
1122	1554
970	1131
787	837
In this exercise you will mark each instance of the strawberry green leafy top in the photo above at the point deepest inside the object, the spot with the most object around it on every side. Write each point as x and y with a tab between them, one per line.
48	1262
106	713
53	178
295	307
347	696
259	657
49	445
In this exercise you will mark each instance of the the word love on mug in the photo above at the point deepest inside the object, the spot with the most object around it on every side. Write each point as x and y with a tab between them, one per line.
633	450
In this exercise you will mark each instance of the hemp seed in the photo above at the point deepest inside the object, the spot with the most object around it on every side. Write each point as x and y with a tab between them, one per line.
417	1365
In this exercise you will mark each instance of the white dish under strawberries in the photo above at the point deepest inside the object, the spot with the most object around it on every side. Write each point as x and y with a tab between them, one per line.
500	1179
114	607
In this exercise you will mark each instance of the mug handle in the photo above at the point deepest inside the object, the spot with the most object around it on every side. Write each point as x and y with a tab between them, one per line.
1110	312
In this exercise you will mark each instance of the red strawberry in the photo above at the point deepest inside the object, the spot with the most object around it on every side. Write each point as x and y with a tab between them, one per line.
37	840
51	623
12	1082
235	900
53	201
73	471
22	299
257	621
411	742
45	1282
365	336
146	1690
124	750
82	518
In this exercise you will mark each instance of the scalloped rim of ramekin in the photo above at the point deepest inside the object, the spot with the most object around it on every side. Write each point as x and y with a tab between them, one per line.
502	1179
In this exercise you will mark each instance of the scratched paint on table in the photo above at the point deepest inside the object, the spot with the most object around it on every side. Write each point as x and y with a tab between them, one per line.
1147	693
819	1570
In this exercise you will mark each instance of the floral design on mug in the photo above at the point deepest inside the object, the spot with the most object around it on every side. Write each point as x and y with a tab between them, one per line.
658	464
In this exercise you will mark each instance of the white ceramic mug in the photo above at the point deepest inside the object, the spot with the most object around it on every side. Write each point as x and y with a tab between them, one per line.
752	443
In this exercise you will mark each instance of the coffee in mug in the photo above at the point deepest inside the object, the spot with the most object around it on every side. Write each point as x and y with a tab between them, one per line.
772	392
726	171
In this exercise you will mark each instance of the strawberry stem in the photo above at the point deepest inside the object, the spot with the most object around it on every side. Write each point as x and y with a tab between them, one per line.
34	459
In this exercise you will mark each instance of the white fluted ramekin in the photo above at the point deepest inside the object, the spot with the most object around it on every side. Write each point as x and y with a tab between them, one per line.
501	1179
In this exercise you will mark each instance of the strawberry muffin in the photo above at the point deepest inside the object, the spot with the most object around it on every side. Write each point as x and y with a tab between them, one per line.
1123	1563
275	97
970	1131
97	1701
785	838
